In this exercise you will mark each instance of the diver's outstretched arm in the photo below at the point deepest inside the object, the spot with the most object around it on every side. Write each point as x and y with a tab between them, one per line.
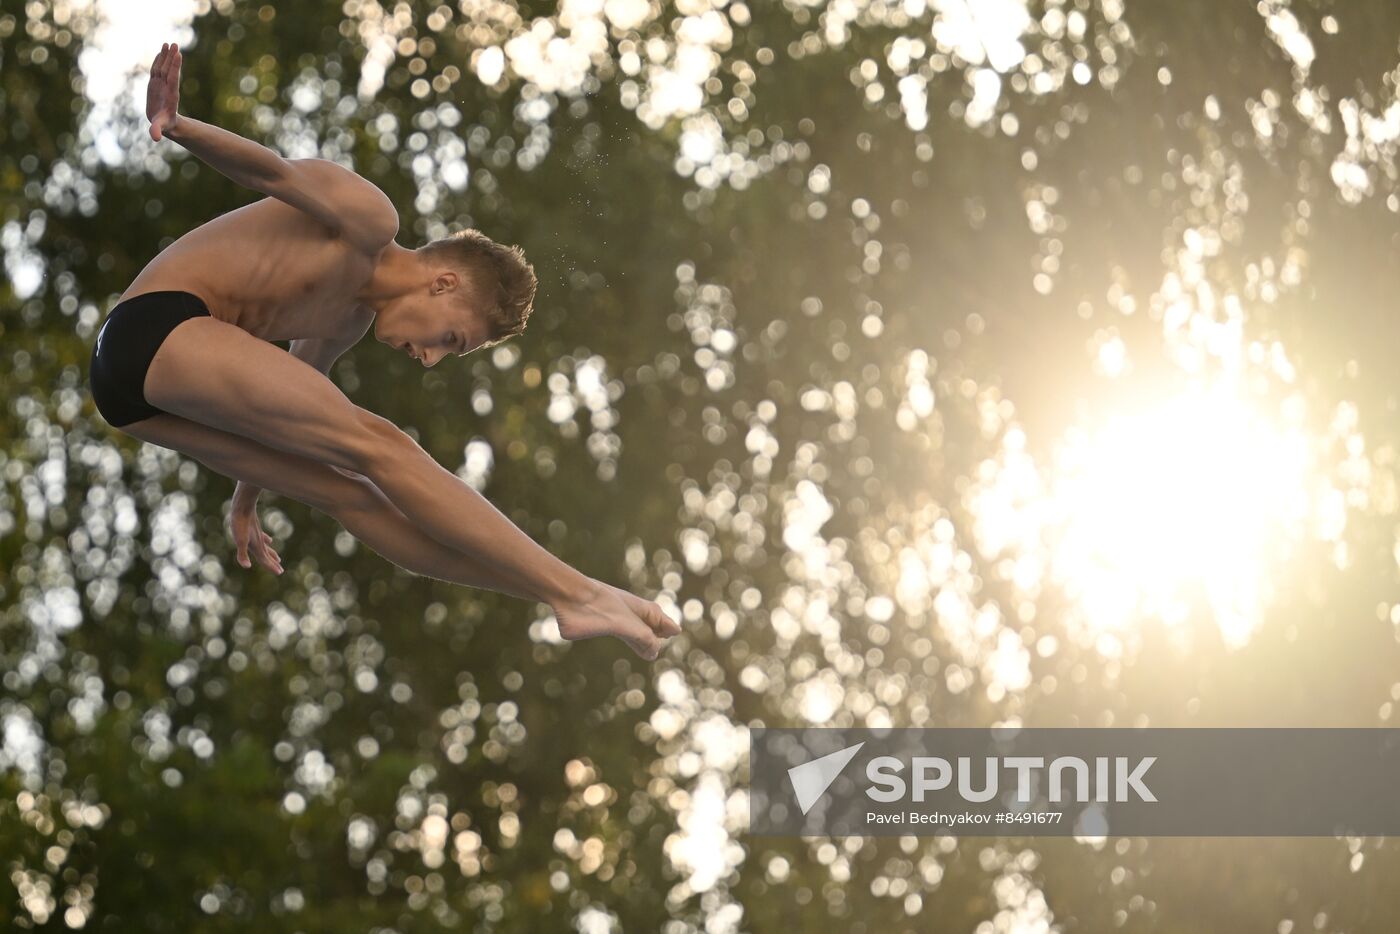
348	206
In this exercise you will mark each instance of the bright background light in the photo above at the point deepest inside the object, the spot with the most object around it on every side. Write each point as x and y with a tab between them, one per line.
1197	497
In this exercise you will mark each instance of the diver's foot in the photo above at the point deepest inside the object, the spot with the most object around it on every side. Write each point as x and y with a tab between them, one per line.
606	610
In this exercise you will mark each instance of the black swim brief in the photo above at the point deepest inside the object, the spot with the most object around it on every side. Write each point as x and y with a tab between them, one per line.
125	346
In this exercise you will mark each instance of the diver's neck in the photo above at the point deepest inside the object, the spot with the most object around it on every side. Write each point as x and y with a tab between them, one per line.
397	273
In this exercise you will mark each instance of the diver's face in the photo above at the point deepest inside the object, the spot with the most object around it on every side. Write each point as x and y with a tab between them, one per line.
441	323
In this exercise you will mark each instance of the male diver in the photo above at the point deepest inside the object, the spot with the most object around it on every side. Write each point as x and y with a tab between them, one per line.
185	361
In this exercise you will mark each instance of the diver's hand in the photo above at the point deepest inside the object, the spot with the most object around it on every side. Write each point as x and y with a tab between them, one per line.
163	91
248	534
605	610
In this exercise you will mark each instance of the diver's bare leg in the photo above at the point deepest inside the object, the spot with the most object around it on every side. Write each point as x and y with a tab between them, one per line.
356	503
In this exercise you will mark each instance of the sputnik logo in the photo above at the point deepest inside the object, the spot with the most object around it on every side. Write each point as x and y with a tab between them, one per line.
811	779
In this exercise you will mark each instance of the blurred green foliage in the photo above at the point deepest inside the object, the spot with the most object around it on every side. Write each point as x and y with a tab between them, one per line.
188	746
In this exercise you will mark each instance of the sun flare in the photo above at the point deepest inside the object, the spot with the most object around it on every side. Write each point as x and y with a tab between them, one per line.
1193	500
1191	503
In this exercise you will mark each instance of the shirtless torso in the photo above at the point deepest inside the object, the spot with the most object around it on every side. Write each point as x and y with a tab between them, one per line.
270	270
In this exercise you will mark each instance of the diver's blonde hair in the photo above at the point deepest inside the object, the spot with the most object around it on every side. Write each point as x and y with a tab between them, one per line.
505	282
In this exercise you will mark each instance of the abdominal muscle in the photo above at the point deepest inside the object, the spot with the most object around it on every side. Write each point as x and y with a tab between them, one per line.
268	269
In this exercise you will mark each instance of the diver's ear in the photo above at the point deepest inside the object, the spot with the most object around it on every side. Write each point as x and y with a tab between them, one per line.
445	282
